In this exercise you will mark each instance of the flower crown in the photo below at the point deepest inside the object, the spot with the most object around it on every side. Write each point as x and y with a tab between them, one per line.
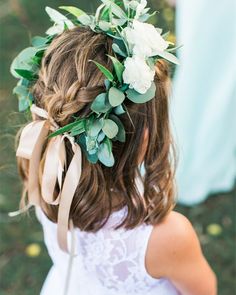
137	46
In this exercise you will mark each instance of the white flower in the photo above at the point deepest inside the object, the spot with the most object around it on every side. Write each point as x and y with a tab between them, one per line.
138	74
60	20
144	39
140	8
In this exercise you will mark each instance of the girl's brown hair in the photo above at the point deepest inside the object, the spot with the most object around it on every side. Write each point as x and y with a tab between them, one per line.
67	85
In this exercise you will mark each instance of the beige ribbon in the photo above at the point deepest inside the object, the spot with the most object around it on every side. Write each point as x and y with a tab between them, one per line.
30	147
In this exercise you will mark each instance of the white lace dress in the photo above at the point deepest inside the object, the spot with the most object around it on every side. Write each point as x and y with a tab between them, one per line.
108	262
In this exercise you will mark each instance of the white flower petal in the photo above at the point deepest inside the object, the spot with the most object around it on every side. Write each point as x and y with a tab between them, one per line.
144	39
138	74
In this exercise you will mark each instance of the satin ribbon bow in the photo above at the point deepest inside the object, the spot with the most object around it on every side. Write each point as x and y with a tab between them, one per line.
30	147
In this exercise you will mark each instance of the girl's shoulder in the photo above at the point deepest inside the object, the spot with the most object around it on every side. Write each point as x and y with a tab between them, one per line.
169	241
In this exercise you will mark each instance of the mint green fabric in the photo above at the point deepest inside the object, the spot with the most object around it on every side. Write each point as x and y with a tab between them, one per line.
203	106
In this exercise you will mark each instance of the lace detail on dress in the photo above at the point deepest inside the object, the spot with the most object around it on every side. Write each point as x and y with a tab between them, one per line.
116	257
109	262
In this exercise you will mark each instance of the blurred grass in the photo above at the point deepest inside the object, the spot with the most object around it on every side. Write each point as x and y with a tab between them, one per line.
24	265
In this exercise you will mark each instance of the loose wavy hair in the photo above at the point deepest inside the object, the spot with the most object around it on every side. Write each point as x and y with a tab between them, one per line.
67	85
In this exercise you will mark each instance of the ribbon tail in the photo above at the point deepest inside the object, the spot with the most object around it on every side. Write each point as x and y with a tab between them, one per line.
20	211
30	147
53	161
70	184
33	185
70	262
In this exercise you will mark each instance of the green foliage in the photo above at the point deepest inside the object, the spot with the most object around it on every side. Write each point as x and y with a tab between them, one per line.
105	155
104	70
115	9
136	97
119	110
117	50
39	42
25	98
26	74
110	128
168	56
23	61
102	125
116	97
104	25
85	20
121	132
73	10
119	68
100	104
78	124
95	127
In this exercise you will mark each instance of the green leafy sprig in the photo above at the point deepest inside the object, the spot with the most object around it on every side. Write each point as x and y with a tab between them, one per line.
103	125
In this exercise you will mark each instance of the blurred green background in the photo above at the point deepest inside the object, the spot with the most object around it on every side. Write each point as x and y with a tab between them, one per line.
24	261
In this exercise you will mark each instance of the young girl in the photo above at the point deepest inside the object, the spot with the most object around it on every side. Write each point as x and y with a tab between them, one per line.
123	234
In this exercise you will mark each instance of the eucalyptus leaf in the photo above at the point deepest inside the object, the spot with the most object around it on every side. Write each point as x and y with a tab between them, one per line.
121	136
116	10
104	70
73	10
23	60
95	128
104	26
122	46
117	50
146	10
136	97
133	4
118	66
93	158
23	104
100	105
40	52
116	37
124	87
105	14
91	144
93	152
38	41
24	97
36	60
118	22
21	90
168	56
23	82
26	74
143	18
85	19
110	128
173	49
59	20
119	110
101	136
105	155
98	11
107	84
116	97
